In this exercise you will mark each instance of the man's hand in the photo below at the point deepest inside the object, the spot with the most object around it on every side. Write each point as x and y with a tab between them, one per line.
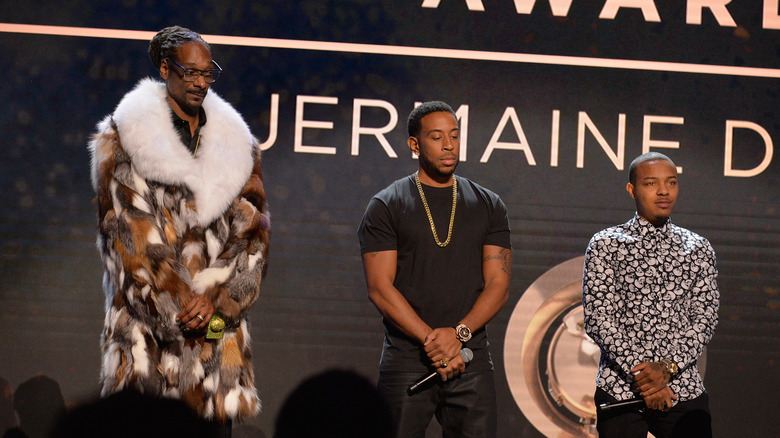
652	377
442	345
196	314
454	368
661	400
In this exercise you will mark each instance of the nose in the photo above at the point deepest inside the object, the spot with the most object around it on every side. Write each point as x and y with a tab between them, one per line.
200	82
449	144
663	189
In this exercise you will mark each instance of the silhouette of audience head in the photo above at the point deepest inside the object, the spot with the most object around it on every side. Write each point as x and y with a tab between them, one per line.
129	414
39	403
335	403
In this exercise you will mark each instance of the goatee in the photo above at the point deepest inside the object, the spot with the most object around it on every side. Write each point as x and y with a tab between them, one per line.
432	171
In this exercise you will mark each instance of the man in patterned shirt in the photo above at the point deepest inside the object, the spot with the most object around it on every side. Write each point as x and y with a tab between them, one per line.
650	298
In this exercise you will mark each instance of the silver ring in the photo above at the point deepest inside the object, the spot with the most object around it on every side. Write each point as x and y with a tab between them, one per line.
201	317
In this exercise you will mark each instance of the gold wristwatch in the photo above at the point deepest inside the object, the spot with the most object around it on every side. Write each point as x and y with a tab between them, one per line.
463	332
671	367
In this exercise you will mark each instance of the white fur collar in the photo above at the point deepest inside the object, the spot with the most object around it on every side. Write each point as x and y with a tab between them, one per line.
224	161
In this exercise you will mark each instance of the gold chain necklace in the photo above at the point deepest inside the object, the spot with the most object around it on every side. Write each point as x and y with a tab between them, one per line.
428	210
196	146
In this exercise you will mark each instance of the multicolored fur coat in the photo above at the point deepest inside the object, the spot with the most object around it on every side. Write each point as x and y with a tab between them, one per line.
171	225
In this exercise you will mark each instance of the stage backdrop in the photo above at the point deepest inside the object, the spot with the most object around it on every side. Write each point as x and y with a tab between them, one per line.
555	97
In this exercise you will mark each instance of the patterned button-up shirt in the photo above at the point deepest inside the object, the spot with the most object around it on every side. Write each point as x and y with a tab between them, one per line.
649	293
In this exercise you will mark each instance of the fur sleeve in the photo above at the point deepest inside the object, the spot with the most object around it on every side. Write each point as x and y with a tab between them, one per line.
142	275
244	253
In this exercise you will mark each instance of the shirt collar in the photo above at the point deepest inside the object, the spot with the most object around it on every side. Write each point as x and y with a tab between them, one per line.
182	124
182	128
644	228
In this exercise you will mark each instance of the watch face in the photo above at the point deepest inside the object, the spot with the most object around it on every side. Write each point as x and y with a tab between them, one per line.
463	332
671	367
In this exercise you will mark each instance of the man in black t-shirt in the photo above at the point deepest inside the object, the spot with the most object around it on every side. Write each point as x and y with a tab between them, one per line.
437	260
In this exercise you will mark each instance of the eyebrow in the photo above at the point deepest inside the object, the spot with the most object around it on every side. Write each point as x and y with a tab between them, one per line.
657	177
442	131
213	67
188	65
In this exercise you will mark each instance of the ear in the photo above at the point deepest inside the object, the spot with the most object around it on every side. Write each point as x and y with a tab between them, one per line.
630	190
414	145
164	70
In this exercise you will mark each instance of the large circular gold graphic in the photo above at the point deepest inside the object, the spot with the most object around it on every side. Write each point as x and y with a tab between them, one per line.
551	364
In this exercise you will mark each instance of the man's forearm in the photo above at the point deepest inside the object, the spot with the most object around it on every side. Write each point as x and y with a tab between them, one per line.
395	309
487	306
497	272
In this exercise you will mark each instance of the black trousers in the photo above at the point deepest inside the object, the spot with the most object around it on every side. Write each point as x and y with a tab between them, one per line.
689	419
465	406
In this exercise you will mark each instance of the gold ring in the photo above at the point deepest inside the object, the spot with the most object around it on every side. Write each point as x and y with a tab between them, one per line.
444	363
200	317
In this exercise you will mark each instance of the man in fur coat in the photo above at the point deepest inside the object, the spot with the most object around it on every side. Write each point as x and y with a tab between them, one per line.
183	232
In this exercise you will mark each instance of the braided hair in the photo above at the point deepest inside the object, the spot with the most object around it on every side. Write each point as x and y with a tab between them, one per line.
167	42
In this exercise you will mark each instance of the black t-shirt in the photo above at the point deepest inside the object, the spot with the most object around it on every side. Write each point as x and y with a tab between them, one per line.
441	284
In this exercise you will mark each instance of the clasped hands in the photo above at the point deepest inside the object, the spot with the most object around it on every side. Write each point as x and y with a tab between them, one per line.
651	380
443	349
195	315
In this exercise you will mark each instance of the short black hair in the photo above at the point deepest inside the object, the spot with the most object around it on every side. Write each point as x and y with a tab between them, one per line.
414	124
167	41
641	159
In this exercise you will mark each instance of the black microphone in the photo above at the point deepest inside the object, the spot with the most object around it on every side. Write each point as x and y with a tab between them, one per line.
466	354
634	403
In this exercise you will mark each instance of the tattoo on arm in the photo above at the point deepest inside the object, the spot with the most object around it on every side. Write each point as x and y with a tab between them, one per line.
658	366
505	257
